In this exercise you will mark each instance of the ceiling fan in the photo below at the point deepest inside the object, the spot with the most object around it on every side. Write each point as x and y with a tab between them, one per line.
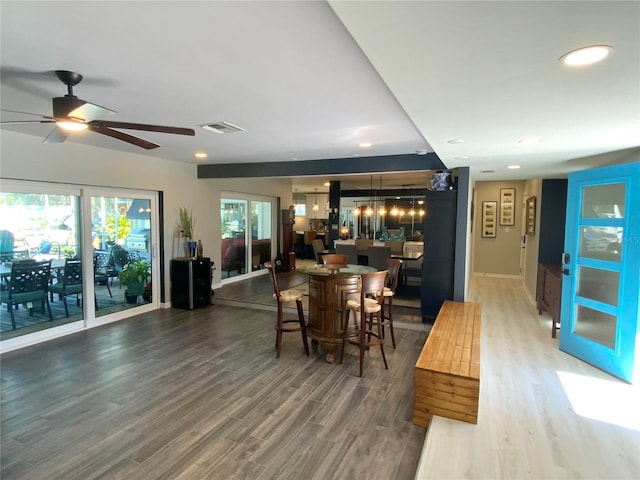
72	114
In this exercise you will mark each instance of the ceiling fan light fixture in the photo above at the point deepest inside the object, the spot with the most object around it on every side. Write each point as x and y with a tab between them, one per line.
71	126
586	55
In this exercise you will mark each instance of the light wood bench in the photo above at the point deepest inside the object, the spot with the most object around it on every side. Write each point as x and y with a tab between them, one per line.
447	373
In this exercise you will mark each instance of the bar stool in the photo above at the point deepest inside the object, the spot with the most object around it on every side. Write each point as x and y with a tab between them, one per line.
282	325
393	272
368	305
309	237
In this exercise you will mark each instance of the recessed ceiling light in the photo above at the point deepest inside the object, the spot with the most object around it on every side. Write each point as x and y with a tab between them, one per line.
586	55
487	171
455	141
530	141
365	144
421	152
327	184
513	167
461	157
201	155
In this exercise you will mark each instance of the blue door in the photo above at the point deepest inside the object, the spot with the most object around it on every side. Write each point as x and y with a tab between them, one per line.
600	315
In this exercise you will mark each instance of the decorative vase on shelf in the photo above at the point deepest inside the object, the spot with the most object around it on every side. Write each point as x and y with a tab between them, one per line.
192	248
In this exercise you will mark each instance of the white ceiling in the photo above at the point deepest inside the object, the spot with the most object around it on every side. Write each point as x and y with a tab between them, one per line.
311	80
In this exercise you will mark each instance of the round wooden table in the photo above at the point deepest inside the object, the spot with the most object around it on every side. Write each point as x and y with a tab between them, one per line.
328	293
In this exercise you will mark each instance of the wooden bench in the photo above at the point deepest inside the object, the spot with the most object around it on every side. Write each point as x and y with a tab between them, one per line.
447	373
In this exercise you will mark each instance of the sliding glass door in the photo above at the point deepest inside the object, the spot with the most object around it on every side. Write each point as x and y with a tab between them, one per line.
40	226
121	239
86	244
247	234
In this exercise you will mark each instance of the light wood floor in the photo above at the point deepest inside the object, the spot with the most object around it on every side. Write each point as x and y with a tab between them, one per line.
543	413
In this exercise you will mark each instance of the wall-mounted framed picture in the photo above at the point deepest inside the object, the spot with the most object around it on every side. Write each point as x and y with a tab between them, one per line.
531	216
489	219
507	206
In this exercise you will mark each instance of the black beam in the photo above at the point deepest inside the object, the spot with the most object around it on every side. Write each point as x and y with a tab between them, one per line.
330	166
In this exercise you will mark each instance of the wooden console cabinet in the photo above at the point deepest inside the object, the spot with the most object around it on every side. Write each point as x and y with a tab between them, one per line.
549	293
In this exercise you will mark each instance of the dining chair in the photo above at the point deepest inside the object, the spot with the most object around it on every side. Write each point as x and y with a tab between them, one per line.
363	243
365	331
350	251
393	272
28	283
70	283
334	259
411	269
309	237
378	257
318	250
396	246
282	324
102	270
6	245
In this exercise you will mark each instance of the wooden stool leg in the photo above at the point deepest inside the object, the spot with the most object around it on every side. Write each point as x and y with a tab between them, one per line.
362	347
303	327
345	328
384	359
393	337
279	331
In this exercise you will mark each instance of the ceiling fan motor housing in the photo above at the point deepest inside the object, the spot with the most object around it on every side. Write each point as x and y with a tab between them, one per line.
63	106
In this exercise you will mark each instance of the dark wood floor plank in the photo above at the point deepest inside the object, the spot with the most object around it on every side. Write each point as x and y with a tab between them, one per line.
199	394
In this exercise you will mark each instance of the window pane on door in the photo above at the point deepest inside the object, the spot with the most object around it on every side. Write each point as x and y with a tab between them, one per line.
595	325
600	285
39	227
260	234
233	253
121	236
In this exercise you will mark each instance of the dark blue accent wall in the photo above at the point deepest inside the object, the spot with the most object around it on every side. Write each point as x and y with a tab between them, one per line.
330	166
553	208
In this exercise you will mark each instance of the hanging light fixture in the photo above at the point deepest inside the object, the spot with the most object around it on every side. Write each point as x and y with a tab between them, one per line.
356	210
369	211
412	212
315	205
381	211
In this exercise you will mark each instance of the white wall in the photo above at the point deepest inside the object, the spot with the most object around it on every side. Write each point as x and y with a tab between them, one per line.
530	273
25	157
499	255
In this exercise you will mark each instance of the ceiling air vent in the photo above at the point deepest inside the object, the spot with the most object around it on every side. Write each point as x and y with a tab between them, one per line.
222	127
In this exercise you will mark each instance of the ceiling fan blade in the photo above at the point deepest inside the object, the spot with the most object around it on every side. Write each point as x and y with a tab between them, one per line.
57	135
144	126
125	137
90	111
18	122
25	113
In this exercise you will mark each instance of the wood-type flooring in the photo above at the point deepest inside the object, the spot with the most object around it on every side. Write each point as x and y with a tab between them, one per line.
177	394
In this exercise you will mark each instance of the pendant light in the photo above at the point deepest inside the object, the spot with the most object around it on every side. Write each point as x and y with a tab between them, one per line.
381	211
369	211
315	205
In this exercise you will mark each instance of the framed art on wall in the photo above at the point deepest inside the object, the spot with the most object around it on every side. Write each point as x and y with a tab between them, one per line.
531	216
507	206
489	212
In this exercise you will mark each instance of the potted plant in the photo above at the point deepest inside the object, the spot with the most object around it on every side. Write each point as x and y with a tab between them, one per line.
134	276
186	224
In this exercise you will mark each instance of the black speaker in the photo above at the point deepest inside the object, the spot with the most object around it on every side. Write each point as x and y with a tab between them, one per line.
190	283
